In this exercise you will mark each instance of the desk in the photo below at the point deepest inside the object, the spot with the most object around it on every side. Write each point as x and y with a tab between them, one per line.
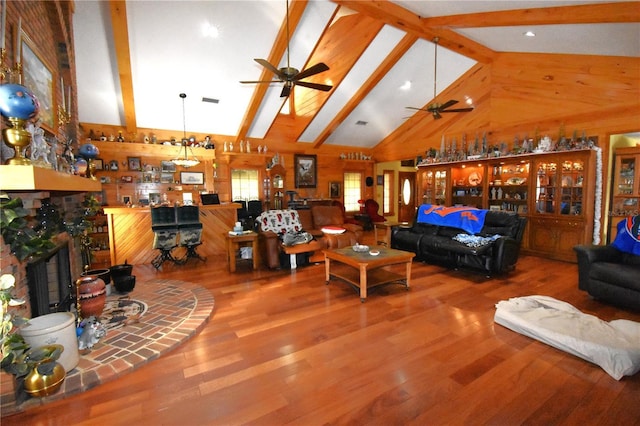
234	242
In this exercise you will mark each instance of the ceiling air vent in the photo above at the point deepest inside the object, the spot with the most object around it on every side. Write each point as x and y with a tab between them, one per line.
210	100
361	123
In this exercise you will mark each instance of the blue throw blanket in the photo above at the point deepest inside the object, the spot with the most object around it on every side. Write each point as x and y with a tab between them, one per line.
469	219
628	237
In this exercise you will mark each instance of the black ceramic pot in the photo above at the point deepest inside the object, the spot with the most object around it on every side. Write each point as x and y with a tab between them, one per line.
124	284
103	274
118	271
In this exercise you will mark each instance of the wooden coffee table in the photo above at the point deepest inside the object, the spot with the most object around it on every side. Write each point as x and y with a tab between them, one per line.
364	270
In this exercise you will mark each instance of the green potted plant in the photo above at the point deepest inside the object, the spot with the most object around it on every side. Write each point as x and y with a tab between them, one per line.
17	232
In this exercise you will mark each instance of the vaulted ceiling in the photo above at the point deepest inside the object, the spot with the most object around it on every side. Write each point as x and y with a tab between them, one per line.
134	58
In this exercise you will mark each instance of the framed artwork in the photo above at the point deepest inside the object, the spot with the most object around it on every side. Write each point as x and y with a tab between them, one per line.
134	163
166	177
38	77
306	171
335	189
192	178
380	179
167	166
126	199
98	163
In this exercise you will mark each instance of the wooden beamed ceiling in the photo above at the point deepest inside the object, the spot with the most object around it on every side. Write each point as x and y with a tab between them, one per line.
345	39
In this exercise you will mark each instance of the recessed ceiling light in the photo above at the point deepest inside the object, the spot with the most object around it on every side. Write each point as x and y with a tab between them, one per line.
529	34
210	30
406	85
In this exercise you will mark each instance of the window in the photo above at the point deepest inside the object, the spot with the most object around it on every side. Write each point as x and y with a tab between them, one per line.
387	193
245	185
352	191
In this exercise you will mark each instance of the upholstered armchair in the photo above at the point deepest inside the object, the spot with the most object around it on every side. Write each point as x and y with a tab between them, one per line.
371	209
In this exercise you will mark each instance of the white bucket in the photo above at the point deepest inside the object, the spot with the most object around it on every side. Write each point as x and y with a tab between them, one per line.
57	328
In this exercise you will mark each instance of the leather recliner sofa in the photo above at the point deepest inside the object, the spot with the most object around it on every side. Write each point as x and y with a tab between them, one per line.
609	275
272	224
436	243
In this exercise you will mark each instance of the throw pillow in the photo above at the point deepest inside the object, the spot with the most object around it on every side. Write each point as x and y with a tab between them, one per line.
628	238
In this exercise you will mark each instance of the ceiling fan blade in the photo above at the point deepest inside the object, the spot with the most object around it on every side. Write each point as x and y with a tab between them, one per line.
447	104
261	81
436	115
286	90
458	110
417	109
270	67
316	86
316	69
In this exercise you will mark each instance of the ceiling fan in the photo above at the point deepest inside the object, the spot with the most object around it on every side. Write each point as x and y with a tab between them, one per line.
436	109
291	76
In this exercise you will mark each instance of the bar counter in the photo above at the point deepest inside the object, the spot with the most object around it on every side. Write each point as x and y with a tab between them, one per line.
131	237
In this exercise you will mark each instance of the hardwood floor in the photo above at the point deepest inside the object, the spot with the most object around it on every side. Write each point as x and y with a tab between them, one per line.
284	348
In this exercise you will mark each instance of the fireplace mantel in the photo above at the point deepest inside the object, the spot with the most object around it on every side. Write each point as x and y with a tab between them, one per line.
30	178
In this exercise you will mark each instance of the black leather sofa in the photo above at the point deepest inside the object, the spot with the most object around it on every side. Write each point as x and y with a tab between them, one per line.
609	274
435	244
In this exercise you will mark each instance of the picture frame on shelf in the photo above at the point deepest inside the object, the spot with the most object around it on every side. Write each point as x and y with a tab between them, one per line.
127	199
192	178
167	167
38	76
126	179
306	171
166	177
98	163
335	189
134	163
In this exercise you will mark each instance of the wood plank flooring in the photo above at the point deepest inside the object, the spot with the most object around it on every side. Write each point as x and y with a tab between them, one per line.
284	348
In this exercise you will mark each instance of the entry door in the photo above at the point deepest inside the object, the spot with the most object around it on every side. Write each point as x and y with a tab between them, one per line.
406	196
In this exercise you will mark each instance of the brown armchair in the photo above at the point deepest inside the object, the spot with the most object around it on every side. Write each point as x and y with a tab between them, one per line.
333	216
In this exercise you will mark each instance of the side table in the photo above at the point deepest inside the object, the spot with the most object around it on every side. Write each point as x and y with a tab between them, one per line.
385	227
234	242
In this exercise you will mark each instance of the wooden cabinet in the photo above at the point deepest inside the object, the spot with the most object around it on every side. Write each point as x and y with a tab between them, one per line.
433	184
555	190
625	191
98	233
274	187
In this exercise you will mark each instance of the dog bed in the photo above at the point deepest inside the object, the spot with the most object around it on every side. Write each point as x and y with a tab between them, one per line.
613	345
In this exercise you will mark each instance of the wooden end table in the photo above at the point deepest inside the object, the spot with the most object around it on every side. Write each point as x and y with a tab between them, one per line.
234	242
365	271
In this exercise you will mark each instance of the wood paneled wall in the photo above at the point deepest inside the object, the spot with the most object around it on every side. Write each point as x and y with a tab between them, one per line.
520	93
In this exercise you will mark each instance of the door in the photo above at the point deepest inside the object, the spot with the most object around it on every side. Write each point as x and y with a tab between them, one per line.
406	196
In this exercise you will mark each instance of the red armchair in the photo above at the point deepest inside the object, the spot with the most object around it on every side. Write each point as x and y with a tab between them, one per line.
371	209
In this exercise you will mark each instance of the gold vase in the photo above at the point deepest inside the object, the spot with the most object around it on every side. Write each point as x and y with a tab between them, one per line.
45	379
17	138
91	169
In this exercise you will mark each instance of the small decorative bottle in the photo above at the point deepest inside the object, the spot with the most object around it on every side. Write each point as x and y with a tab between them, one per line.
120	138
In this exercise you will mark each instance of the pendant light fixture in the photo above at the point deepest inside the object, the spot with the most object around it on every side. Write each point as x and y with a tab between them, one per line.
180	160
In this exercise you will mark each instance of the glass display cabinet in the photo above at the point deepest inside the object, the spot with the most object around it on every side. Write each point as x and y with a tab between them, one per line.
467	185
625	191
433	182
509	186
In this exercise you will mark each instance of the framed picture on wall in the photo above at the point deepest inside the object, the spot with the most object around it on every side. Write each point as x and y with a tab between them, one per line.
98	163
167	166
335	189
306	171
38	77
134	163
192	178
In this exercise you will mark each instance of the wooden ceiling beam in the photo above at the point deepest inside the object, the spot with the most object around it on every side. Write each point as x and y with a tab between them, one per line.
579	14
296	9
401	48
121	44
398	17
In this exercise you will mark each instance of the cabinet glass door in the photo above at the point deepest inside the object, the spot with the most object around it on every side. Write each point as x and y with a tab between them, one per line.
546	196
467	186
571	180
433	185
626	195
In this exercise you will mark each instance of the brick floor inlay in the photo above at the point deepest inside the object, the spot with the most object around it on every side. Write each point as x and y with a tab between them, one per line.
177	310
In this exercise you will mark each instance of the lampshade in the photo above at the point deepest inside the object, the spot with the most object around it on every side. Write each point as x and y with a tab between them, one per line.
183	158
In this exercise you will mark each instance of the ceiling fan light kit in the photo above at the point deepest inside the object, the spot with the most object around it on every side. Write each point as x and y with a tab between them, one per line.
185	160
435	108
291	76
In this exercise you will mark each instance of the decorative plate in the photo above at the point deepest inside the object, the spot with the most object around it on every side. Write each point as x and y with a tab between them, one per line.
475	179
516	181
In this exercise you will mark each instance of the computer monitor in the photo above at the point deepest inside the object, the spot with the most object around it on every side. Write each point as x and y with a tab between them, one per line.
208	199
